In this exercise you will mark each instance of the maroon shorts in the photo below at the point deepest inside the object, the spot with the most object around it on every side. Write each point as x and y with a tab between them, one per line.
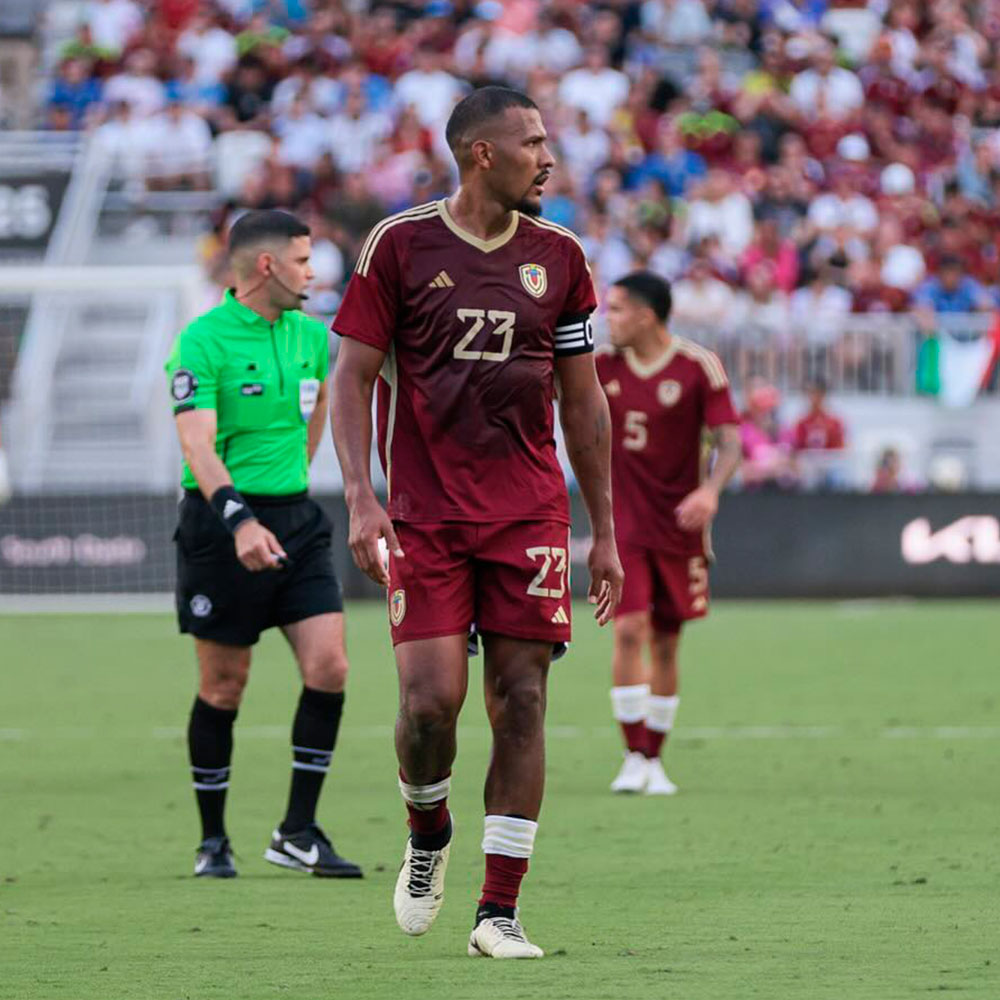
672	588
511	578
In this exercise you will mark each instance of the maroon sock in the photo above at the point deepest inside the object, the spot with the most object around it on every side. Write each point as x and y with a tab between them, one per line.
503	879
427	819
654	742
635	736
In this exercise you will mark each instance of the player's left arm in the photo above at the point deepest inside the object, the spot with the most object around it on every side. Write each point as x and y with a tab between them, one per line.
696	511
586	424
317	419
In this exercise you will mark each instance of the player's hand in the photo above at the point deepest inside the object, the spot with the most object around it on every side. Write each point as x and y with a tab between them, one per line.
606	578
369	523
257	548
696	510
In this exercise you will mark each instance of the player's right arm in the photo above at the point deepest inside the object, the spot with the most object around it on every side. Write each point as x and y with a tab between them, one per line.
366	323
354	377
194	389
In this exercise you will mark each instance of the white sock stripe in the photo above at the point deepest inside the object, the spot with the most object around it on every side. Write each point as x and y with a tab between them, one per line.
662	712
510	836
200	787
209	770
425	795
630	703
313	751
298	765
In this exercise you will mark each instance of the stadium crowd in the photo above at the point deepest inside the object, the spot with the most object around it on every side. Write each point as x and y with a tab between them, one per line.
787	164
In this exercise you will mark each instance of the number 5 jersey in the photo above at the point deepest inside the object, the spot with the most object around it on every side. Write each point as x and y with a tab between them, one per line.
470	329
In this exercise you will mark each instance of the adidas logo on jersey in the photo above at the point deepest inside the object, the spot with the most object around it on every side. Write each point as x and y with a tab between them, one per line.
560	617
442	281
612	388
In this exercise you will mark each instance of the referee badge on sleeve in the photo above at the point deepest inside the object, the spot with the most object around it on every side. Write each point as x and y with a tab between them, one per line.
308	394
183	385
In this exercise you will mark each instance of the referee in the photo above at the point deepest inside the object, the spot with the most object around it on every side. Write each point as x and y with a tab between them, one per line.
248	381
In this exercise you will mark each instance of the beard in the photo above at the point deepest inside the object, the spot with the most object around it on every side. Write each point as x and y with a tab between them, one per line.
532	208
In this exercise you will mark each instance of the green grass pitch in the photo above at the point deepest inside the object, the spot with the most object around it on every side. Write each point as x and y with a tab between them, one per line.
837	833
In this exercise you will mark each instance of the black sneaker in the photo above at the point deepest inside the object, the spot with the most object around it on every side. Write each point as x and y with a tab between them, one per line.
214	859
309	850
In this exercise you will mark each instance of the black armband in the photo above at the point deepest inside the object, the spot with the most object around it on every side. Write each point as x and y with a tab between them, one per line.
232	509
574	335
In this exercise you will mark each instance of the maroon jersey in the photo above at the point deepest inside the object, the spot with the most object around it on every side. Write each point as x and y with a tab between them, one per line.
819	431
658	412
471	329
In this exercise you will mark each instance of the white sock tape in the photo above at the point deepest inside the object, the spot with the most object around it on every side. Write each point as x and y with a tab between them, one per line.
629	703
425	796
662	712
510	836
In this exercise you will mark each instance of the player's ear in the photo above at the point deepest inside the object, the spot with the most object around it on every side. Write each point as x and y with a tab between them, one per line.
482	153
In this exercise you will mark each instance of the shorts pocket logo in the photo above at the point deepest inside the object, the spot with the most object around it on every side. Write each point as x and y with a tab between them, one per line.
308	394
201	606
397	607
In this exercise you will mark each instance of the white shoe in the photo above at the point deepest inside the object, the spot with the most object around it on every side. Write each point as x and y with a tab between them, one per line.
633	774
658	783
420	888
501	937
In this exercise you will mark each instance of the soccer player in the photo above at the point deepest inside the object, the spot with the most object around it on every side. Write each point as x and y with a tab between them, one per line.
474	310
248	381
663	392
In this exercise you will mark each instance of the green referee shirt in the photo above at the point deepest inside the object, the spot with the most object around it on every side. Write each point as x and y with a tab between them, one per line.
262	380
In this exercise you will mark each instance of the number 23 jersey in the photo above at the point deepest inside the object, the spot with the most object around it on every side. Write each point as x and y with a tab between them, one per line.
471	329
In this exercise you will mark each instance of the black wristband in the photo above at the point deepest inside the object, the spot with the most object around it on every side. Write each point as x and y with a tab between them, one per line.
231	508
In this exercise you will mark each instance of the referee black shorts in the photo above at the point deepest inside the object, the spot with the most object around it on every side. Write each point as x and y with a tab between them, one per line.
220	600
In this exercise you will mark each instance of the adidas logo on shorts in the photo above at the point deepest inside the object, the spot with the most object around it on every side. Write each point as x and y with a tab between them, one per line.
560	617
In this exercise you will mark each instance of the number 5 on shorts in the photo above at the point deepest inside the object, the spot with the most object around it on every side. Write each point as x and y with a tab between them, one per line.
554	560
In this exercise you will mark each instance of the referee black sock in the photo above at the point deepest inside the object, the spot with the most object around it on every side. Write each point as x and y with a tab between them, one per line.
210	746
314	735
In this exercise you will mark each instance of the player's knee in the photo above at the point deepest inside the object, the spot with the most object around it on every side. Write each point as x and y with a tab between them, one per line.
519	707
326	672
630	633
428	713
224	690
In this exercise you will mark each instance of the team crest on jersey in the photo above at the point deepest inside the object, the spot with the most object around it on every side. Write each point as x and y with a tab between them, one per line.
668	392
612	388
397	607
534	279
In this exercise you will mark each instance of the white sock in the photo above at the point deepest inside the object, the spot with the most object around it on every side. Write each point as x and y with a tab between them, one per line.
425	796
662	712
630	703
509	835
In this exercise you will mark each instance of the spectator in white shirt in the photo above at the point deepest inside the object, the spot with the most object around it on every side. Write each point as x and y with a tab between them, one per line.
178	149
113	23
211	47
676	22
843	207
584	149
355	134
137	86
820	309
721	211
304	136
826	90
429	89
595	87
702	301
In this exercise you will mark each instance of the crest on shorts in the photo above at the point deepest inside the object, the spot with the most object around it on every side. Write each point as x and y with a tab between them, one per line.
534	279
397	607
201	606
668	391
183	385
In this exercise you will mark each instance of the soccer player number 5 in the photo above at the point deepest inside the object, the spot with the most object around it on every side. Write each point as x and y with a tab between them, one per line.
503	326
636	433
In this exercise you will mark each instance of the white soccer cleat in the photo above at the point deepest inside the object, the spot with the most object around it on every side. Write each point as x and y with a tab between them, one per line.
657	782
420	889
501	937
633	775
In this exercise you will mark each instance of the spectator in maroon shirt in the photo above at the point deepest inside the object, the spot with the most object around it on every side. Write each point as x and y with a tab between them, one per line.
818	430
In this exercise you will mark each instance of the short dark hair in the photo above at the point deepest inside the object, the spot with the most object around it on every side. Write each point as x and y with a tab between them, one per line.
651	290
480	106
264	224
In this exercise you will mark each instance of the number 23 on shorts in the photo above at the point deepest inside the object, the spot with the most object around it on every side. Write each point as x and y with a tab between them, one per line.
553	563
